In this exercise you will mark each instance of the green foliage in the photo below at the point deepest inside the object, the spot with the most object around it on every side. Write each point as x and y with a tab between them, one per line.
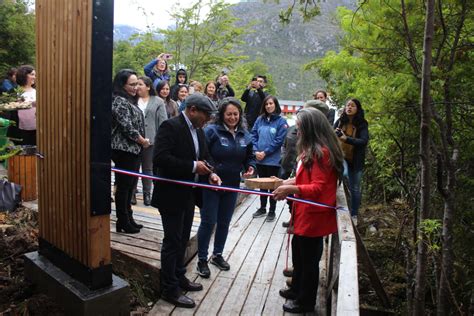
204	44
307	9
17	35
136	52
431	229
380	64
241	75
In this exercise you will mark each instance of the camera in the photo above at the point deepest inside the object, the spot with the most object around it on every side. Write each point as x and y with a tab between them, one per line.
338	132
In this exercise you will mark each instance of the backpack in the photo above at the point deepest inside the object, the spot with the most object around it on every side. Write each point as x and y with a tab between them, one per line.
10	195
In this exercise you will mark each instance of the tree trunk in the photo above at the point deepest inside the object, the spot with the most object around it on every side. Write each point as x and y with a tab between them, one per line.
421	262
450	155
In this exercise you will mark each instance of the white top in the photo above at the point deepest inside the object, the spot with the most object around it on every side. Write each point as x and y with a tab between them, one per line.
142	105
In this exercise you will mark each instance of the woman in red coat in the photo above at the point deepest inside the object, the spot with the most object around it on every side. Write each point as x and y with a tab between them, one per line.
320	166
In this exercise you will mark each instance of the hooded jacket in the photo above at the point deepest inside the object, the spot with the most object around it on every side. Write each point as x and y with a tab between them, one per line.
268	135
174	88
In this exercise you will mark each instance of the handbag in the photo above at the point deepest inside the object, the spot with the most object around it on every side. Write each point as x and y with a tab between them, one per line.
10	195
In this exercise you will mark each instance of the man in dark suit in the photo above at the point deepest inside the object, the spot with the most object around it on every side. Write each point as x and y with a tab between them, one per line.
181	153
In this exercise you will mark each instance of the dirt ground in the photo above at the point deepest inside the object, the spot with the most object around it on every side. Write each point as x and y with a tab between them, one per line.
384	230
19	235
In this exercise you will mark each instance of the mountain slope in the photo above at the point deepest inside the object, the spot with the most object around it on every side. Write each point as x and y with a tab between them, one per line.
286	48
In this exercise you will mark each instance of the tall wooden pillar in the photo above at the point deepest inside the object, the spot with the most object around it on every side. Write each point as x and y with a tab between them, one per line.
74	44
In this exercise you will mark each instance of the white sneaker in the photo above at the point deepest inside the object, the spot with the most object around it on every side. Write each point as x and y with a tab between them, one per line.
354	219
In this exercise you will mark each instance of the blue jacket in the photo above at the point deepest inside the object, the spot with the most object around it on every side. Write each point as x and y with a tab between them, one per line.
150	72
7	86
268	135
231	156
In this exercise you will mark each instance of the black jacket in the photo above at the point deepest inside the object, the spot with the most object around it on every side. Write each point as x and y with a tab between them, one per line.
359	142
173	158
253	100
289	153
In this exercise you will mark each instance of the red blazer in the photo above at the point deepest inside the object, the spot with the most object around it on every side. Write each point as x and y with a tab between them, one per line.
319	184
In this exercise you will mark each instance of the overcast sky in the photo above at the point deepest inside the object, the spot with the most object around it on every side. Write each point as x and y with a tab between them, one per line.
131	12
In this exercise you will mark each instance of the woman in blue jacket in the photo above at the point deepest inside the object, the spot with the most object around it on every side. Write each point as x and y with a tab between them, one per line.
157	70
230	146
268	135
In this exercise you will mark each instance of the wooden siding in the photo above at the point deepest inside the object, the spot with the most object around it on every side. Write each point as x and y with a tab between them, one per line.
63	67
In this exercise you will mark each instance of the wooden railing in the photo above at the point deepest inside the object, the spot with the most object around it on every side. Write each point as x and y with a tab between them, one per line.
342	292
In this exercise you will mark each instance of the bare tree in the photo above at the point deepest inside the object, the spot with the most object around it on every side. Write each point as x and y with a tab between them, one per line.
447	164
426	115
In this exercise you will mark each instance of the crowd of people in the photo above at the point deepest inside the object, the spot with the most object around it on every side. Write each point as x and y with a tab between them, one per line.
22	79
202	133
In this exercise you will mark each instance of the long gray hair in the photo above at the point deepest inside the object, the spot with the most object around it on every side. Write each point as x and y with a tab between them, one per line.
315	132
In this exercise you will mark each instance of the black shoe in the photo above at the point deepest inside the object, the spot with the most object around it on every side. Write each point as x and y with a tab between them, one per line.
188	286
132	221
295	308
126	227
219	262
180	301
288	272
147	199
288	294
259	213
270	216
133	201
286	224
203	269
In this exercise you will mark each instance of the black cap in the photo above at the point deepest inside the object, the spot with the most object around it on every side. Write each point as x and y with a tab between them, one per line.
201	102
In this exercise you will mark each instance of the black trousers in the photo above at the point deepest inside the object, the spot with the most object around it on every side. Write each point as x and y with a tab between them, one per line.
265	171
125	184
177	228
307	252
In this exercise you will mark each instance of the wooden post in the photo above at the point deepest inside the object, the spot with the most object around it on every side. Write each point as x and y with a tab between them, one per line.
74	44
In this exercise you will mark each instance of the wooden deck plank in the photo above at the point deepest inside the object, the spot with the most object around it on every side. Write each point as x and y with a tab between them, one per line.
135	250
214	298
278	244
256	300
256	251
236	296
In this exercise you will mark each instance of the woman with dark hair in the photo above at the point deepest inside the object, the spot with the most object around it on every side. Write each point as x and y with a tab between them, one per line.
320	165
353	132
26	79
154	110
268	135
163	91
181	95
128	141
181	78
230	146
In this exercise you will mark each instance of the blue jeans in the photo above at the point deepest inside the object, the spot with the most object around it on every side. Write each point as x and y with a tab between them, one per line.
217	208
355	178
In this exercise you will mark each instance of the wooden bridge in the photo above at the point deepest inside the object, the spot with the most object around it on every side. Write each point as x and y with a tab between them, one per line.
257	252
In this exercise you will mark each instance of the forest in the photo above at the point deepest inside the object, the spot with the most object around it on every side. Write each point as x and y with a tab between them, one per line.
411	64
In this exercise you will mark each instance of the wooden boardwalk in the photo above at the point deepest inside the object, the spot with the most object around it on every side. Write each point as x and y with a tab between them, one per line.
256	252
